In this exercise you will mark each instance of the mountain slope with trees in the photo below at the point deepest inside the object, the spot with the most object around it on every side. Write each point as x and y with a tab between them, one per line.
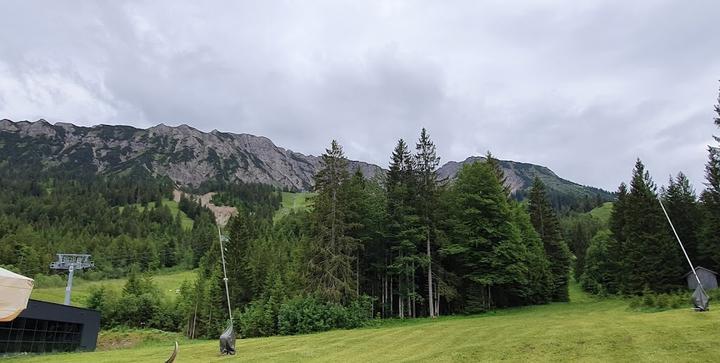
192	158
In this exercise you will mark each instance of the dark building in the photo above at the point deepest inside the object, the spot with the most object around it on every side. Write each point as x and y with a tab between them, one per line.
708	278
48	327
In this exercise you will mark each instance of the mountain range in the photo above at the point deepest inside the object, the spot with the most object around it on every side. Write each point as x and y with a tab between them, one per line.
190	157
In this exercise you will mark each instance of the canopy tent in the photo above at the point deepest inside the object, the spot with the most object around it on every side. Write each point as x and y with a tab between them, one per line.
14	294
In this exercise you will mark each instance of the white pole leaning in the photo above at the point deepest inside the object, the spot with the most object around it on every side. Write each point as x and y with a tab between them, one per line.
225	278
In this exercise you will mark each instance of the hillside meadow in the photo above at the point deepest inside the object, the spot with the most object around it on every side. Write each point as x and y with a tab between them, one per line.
586	329
167	282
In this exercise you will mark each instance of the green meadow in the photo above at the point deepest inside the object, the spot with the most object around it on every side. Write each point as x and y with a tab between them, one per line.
586	329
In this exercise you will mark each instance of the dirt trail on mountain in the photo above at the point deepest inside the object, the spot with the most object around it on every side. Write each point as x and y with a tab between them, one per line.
222	213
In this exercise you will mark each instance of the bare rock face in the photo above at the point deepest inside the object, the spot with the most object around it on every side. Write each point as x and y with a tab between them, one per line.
184	154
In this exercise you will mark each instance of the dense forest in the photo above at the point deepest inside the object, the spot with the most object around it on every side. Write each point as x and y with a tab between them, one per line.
124	221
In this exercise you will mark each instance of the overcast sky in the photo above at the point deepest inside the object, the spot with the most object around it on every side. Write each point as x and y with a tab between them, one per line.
583	87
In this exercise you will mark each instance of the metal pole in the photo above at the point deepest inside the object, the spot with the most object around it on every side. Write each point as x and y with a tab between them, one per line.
681	245
68	288
227	290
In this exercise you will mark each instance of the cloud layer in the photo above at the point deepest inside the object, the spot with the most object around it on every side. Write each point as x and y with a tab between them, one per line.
583	87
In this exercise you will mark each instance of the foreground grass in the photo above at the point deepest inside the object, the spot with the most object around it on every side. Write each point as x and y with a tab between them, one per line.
166	282
293	202
583	330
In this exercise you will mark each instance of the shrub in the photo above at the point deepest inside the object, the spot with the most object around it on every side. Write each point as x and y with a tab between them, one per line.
304	315
257	320
662	301
308	314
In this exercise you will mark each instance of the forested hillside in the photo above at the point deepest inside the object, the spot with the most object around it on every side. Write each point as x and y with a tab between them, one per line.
205	162
565	196
125	221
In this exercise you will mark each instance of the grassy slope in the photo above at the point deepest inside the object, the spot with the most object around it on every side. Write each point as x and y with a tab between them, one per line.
293	202
586	330
603	212
167	282
186	222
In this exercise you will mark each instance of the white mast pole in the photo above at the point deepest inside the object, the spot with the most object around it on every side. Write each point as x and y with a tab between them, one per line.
681	245
225	278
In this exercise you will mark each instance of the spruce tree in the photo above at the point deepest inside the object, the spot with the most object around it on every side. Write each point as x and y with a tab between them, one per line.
356	218
598	273
539	279
495	164
709	244
485	250
242	230
616	243
682	206
333	251
546	224
403	227
652	257
427	162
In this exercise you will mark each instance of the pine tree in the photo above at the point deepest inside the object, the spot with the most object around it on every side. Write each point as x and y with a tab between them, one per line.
427	162
651	257
403	228
538	289
682	206
616	244
333	250
598	273
484	250
495	164
546	224
709	244
242	230
356	218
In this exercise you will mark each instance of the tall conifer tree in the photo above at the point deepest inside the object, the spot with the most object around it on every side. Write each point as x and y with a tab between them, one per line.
427	162
682	207
403	225
332	253
651	258
546	224
485	249
709	242
616	243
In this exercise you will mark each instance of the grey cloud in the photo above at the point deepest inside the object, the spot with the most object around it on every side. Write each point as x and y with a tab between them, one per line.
581	87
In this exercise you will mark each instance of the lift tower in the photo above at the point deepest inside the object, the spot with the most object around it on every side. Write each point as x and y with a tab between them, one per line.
71	262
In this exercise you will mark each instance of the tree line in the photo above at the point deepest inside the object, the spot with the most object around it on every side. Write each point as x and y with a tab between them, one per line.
403	245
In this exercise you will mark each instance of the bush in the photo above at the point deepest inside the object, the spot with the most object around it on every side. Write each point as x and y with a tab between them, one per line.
662	301
304	315
308	314
257	320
